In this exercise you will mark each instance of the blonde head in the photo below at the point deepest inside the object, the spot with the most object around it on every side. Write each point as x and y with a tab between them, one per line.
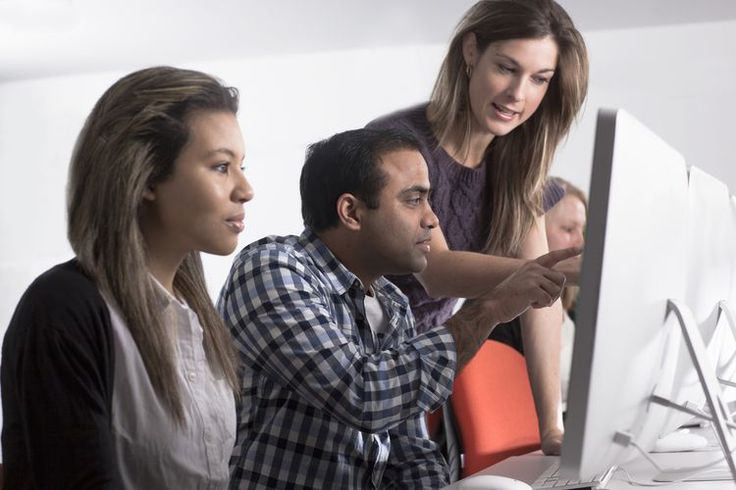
570	293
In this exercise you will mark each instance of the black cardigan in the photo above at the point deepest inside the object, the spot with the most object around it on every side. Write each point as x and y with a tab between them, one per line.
57	382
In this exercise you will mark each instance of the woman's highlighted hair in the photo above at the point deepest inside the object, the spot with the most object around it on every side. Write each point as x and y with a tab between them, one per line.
130	141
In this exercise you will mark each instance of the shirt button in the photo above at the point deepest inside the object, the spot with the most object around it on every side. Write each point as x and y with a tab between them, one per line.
192	375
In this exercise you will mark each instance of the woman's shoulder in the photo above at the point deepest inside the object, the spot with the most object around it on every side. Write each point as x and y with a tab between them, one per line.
552	193
413	119
62	298
66	283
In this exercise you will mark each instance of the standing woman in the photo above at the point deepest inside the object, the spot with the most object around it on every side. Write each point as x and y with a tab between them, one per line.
513	80
117	371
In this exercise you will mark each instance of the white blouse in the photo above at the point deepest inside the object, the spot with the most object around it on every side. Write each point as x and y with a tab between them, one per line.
566	342
152	451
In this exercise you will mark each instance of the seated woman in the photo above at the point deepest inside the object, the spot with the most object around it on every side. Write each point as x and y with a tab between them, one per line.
565	228
117	371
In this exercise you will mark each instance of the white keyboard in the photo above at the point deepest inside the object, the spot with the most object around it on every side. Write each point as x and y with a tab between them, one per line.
551	478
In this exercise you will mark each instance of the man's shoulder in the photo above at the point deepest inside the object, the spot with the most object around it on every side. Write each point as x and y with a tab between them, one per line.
272	246
279	269
275	252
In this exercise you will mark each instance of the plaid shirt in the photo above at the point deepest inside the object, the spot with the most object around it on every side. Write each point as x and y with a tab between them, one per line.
326	402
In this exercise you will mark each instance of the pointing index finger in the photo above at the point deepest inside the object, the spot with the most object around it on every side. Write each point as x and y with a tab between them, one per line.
550	259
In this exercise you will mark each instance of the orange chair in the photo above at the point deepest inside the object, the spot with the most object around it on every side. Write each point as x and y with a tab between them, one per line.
434	419
494	408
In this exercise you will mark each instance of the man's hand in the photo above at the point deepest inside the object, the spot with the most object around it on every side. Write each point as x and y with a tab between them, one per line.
534	285
571	268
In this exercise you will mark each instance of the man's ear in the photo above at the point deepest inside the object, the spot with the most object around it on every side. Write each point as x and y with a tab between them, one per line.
350	211
470	49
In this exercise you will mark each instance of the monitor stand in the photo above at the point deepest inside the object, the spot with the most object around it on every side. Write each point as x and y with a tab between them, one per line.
725	309
717	413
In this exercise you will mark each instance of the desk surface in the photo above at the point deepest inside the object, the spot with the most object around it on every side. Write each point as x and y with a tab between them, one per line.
528	467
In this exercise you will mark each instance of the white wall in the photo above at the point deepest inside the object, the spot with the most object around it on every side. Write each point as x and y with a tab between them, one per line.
287	102
678	80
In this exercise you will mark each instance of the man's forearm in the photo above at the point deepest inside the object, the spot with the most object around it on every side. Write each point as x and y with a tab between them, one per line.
533	285
470	327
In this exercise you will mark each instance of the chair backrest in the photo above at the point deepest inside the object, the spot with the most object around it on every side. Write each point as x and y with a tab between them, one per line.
494	408
434	421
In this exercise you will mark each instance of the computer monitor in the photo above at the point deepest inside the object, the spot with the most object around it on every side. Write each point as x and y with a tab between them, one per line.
732	295
727	356
635	250
711	246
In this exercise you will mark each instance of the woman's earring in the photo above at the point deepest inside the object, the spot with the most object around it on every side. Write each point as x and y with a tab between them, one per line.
469	70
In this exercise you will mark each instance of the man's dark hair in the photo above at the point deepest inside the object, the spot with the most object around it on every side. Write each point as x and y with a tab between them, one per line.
347	162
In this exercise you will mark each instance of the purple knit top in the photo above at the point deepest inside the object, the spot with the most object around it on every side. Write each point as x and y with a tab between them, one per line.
459	198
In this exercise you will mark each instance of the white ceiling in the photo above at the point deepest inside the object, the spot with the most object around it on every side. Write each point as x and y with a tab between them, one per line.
51	37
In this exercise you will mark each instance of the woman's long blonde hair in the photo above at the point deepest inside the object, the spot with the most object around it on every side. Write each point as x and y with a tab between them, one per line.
519	162
130	141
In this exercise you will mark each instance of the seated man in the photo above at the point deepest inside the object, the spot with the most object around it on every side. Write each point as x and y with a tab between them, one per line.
335	379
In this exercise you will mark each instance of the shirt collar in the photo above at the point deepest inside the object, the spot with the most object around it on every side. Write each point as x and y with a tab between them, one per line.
164	297
339	276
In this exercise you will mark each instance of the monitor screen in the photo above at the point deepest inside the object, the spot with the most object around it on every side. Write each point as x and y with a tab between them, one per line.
635	251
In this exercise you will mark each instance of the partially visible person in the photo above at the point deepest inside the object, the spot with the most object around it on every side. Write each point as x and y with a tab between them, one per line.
565	229
513	80
117	371
336	379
